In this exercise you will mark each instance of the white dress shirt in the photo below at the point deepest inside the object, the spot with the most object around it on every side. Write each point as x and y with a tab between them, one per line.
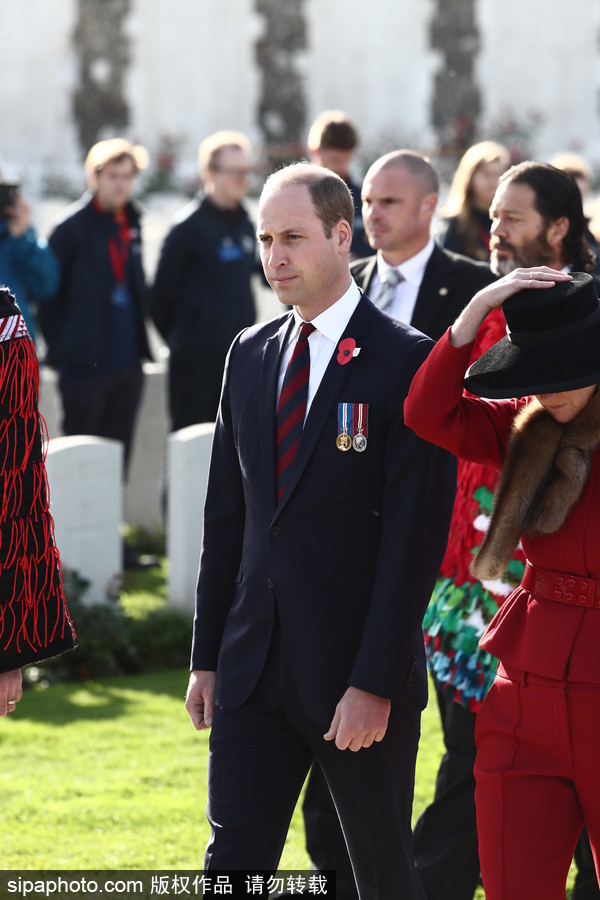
405	295
329	328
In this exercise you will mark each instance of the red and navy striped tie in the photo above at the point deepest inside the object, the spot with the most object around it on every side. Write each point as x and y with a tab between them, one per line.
291	409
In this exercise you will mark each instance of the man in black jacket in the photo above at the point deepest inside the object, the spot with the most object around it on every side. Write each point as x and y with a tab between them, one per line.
95	325
411	277
417	282
202	295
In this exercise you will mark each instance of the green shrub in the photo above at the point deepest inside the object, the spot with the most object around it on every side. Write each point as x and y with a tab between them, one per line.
115	640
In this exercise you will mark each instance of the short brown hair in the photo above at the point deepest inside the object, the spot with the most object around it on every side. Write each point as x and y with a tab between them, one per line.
329	193
212	146
114	150
332	130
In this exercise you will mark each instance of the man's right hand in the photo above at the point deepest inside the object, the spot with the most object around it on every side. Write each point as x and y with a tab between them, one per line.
200	698
464	330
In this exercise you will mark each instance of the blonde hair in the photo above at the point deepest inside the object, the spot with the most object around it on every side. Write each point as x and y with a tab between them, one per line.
575	165
211	147
460	201
460	195
115	150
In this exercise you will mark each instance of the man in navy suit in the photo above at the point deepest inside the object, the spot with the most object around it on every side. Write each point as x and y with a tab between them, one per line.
399	197
318	557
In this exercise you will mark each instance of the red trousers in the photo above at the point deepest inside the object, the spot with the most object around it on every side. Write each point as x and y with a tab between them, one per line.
538	780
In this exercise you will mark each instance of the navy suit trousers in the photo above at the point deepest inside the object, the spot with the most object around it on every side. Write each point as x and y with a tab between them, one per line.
260	755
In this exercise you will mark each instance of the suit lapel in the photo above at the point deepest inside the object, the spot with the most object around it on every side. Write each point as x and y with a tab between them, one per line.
364	275
433	292
269	376
332	383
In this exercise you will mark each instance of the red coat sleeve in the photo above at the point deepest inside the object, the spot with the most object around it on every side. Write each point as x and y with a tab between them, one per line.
437	409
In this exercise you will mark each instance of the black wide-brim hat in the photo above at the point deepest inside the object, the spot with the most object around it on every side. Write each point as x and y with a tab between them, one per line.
552	343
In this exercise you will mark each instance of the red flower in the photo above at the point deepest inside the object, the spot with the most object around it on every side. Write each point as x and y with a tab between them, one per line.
346	350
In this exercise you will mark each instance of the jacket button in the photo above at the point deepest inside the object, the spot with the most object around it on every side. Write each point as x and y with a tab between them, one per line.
270	584
274	531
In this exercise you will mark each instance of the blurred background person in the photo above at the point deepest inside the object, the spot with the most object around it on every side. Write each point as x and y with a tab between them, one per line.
579	169
468	203
95	325
202	295
27	264
332	143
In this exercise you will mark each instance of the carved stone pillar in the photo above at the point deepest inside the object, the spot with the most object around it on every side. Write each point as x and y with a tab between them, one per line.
456	99
102	48
282	104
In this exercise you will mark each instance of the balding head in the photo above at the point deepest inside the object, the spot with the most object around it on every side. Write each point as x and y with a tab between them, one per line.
419	168
329	193
399	197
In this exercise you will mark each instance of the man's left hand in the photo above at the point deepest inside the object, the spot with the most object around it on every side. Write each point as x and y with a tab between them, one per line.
360	718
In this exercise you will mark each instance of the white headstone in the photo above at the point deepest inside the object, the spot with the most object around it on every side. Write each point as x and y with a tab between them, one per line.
188	461
86	502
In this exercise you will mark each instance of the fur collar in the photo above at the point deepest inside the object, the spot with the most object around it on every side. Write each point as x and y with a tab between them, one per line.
545	469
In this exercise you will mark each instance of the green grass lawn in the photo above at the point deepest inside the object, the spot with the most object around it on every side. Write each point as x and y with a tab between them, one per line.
110	774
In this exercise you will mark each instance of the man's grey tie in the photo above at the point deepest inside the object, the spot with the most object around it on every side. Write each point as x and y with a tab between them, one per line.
388	281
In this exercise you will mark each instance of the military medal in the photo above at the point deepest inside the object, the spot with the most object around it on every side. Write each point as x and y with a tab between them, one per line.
359	442
343	440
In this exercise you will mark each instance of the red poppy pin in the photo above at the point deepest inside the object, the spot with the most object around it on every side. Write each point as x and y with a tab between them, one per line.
347	349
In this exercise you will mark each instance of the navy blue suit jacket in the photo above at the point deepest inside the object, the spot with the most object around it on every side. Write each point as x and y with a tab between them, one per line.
350	555
449	282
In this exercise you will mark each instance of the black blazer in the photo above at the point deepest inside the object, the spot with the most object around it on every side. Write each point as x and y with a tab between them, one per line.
449	282
349	556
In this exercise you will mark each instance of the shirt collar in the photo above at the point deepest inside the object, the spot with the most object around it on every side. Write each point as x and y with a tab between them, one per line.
332	321
413	269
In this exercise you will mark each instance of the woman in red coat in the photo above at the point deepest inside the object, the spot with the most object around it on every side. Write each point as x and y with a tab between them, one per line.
538	732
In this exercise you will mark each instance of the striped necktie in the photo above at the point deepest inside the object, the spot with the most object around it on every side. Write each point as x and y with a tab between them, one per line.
291	409
388	281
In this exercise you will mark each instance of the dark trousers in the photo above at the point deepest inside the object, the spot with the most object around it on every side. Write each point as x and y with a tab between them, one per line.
259	757
103	404
445	838
194	388
325	842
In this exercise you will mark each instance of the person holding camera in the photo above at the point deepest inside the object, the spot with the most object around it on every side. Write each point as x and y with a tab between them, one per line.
27	264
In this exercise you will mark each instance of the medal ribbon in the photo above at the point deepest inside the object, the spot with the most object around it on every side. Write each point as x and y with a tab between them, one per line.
346	418
361	418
